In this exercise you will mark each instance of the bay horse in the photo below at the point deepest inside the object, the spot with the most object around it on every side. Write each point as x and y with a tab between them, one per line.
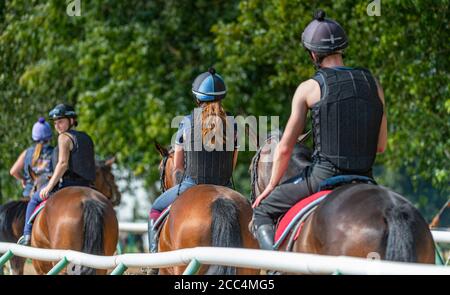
358	220
204	215
12	219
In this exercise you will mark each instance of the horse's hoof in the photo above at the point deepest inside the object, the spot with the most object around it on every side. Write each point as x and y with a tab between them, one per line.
150	271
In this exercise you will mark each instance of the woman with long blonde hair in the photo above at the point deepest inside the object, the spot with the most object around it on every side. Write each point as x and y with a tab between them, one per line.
205	145
36	158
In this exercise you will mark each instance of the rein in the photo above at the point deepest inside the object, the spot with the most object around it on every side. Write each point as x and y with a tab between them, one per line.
162	174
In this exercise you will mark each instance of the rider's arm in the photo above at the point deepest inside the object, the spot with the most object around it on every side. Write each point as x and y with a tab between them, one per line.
65	146
16	169
293	130
382	136
178	161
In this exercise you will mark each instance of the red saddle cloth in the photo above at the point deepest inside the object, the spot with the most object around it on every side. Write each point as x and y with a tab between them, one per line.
286	219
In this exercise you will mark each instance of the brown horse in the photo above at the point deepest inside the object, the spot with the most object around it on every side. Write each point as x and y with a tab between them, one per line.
12	219
358	220
205	215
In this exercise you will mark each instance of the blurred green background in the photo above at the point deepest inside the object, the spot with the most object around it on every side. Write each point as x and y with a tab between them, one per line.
128	67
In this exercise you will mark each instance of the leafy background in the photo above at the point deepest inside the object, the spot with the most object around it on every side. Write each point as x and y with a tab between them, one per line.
128	67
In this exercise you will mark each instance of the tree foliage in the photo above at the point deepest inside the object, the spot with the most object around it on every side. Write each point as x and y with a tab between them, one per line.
128	66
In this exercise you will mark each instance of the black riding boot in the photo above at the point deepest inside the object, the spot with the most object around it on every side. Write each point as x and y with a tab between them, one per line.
152	238
152	244
265	234
24	240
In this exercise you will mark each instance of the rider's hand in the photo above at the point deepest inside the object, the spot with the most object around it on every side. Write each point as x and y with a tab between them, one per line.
263	195
43	194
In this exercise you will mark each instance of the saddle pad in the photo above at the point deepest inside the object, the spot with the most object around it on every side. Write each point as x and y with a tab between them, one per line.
290	215
36	211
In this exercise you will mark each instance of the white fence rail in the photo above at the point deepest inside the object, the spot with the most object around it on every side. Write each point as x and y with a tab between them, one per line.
258	259
439	236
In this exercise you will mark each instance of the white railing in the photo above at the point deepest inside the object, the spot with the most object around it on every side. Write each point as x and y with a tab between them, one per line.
257	259
141	227
133	227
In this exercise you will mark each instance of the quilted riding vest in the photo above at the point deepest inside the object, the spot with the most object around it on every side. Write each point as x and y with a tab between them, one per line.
81	159
206	165
346	120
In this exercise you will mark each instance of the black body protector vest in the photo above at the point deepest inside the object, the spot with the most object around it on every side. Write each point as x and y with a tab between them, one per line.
346	120
81	159
204	164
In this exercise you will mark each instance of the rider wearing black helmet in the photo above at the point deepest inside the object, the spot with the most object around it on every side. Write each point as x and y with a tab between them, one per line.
349	126
73	161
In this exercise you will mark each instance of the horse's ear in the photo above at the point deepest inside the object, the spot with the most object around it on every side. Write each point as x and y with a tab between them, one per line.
302	138
162	150
110	161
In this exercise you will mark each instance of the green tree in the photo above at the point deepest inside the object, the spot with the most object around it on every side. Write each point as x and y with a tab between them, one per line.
127	66
406	48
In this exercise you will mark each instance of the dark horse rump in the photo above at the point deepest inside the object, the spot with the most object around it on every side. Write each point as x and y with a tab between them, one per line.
12	218
93	234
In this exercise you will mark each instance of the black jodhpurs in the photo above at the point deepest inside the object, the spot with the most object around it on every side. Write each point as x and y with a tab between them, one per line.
287	194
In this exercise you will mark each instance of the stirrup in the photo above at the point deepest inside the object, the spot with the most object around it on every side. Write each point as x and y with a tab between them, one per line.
24	240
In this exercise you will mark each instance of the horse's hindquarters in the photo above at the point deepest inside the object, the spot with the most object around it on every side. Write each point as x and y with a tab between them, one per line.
79	219
364	220
208	215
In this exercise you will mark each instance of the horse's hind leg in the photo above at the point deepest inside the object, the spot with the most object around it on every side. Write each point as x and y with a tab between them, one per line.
17	264
42	267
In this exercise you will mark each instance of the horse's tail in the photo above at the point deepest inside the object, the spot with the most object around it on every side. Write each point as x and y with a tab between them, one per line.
225	231
10	213
93	230
401	244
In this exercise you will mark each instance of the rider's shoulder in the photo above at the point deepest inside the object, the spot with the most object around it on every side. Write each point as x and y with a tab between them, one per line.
308	86
65	137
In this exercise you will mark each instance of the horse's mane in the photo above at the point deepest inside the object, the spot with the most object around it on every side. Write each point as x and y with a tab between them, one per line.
9	212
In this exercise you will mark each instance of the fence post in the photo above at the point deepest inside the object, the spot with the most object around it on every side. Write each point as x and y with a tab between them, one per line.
120	269
5	257
59	266
192	267
119	248
438	257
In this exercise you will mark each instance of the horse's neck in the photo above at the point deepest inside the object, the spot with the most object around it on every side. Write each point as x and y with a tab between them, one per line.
300	158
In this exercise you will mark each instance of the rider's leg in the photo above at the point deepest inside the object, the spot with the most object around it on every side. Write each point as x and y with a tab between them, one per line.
35	200
283	197
161	203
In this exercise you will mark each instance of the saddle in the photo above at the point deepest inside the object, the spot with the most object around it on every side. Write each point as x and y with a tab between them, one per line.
158	225
291	223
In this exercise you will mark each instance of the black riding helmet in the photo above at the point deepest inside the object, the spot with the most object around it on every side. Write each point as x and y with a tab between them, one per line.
324	35
62	111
